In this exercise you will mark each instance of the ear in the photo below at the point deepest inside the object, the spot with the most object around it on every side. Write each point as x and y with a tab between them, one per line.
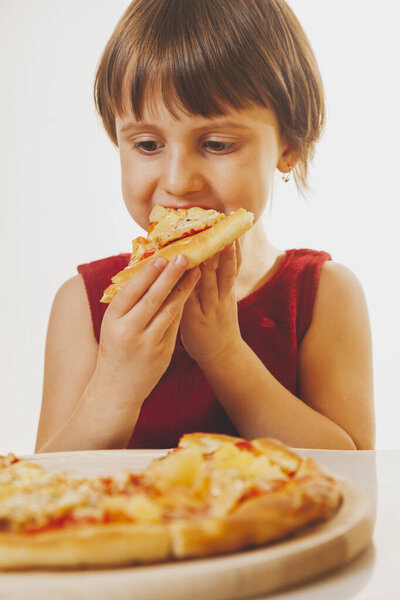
288	159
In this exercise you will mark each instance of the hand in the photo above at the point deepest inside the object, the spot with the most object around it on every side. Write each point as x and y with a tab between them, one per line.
139	329
209	324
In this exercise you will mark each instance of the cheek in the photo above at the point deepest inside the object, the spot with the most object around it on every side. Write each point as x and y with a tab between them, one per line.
136	192
130	179
260	179
248	185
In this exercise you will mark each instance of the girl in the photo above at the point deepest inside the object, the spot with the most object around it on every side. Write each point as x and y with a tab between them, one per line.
205	100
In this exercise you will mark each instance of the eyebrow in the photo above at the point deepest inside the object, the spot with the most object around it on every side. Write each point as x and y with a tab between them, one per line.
140	124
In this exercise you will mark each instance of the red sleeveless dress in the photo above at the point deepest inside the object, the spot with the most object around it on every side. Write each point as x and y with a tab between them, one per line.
273	321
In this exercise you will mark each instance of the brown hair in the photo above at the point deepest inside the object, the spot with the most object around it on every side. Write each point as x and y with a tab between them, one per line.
207	55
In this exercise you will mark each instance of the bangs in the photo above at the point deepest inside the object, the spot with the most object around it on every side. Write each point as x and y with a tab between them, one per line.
182	87
189	53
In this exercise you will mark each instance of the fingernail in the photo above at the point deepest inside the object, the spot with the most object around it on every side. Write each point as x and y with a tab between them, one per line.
160	263
180	260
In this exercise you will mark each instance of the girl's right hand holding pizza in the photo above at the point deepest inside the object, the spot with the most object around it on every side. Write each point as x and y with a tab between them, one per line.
140	327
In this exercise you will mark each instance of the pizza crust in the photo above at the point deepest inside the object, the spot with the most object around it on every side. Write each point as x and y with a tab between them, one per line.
258	521
87	546
196	247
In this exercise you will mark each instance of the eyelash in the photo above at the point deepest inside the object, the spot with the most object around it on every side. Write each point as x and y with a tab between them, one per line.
228	146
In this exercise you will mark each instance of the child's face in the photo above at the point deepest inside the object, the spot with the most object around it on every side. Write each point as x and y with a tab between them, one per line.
222	163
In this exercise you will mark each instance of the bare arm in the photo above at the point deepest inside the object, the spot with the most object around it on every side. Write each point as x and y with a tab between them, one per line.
335	362
72	416
335	408
67	371
92	396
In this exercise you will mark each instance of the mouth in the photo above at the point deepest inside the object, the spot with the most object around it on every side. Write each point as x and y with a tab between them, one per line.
187	206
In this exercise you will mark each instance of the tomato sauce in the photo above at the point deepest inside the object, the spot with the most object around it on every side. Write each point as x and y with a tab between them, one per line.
147	254
245	445
58	523
252	493
187	234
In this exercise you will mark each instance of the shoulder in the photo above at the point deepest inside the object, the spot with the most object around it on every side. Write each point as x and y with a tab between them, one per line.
340	326
324	283
340	305
70	305
71	288
338	288
336	273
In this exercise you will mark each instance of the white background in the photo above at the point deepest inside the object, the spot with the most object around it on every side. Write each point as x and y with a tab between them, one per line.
61	203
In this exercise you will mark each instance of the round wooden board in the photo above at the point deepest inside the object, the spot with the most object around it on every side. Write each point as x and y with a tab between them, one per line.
316	550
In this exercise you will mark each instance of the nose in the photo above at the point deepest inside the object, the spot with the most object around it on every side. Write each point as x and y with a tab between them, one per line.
181	173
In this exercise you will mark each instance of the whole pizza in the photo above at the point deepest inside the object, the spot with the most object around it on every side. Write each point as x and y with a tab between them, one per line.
212	494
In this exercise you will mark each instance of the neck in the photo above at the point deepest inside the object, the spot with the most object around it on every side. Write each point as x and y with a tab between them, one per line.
259	260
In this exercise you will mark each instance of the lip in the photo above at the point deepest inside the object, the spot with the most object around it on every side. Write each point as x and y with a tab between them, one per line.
187	206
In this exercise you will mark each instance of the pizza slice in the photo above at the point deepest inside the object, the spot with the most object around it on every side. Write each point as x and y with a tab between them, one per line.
196	232
167	225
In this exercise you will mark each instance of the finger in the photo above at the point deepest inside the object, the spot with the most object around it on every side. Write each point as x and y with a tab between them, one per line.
134	289
239	257
193	301
216	261
172	330
149	304
172	308
227	270
207	288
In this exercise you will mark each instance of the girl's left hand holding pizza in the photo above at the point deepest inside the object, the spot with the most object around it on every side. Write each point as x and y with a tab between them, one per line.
209	325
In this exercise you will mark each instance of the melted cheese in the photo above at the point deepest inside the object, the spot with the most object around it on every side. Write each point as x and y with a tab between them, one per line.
138	507
168	225
185	467
191	481
53	495
230	457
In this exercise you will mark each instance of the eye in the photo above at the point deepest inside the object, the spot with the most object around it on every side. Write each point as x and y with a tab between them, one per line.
220	147
147	146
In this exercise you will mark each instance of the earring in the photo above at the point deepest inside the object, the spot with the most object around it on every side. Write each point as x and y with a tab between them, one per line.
286	176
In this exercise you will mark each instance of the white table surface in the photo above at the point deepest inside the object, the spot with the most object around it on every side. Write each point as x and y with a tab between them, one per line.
375	573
